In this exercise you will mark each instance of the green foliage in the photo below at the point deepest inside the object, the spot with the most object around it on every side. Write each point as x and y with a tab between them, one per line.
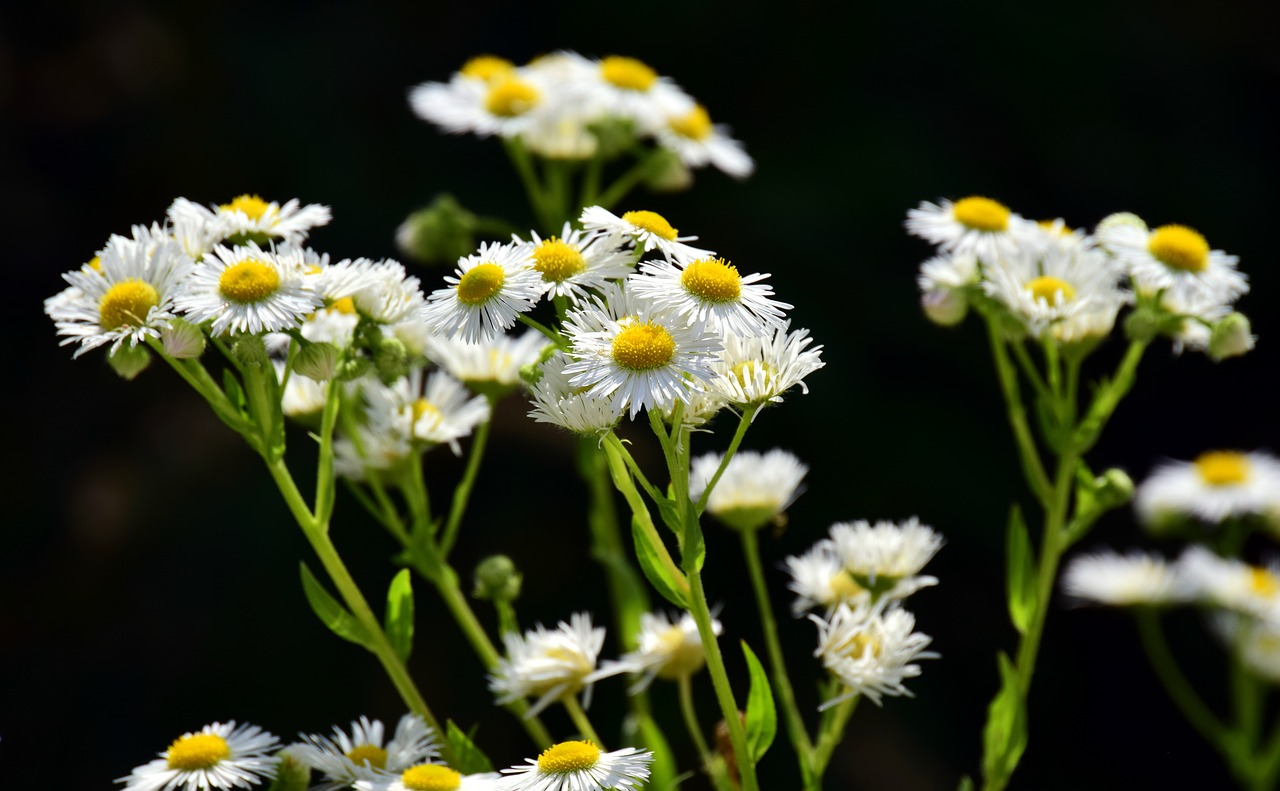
762	717
398	621
1020	575
673	589
467	757
330	612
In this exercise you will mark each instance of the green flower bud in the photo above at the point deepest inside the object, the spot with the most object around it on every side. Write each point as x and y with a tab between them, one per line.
441	233
497	579
250	350
350	370
614	136
182	340
291	774
665	172
318	361
945	307
1113	489
1143	324
1231	337
1119	219
128	361
389	359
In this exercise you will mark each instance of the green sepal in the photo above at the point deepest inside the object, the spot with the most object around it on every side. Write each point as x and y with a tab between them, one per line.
330	612
399	616
673	589
1020	576
468	759
1005	735
762	716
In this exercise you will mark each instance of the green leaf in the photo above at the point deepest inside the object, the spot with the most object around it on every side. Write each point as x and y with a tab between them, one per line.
1020	575
762	717
235	393
966	784
693	551
669	510
467	757
330	612
672	587
1005	735
399	616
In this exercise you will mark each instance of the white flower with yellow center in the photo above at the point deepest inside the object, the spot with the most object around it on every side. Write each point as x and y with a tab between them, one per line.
757	370
559	403
628	88
490	101
1117	580
698	143
710	291
667	649
550	664
1217	485
301	397
974	226
1176	262
379	290
432	777
129	297
247	289
872	652
647	229
247	218
334	323
819	579
754	489
575	262
440	414
219	755
1233	584
365	753
492	288
1071	293
886	553
650	360
492	367
580	766
377	446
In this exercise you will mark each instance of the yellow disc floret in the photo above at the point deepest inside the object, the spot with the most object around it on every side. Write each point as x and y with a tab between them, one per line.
488	68
197	751
745	372
1046	288
1223	467
250	206
345	305
557	260
1179	247
981	214
370	754
127	303
695	125
860	645
510	98
652	222
627	73
249	281
95	263
1263	582
712	280
430	777
480	282
568	757
424	408
845	587
643	347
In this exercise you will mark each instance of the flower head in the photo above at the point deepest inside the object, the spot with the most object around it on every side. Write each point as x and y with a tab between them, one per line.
492	287
1217	485
364	753
219	755
754	488
581	766
1124	580
550	663
668	649
871	652
248	289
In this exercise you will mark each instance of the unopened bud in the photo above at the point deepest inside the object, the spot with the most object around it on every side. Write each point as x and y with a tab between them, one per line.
182	340
128	361
1113	489
946	307
1231	337
442	232
665	172
389	359
1143	324
350	370
1119	220
291	773
250	350
318	361
614	135
497	579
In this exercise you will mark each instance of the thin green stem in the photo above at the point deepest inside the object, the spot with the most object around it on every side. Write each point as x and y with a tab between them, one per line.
636	472
744	422
324	466
684	685
831	736
625	183
1032	467
551	334
1175	683
1029	368
1109	397
580	719
462	494
523	164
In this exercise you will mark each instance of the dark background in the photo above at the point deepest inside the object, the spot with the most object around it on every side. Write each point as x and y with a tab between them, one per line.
148	571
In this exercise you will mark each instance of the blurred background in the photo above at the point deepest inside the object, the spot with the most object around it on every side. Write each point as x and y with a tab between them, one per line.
148	571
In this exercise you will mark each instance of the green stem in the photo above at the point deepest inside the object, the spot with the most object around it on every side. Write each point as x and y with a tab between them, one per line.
1109	397
829	739
690	714
462	494
636	472
1029	369
580	719
1032	467
639	510
551	334
324	466
744	422
625	183
529	178
1176	684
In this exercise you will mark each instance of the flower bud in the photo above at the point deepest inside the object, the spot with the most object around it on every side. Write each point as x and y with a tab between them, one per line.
182	340
318	361
614	135
389	359
1119	219
497	579
1143	324
1113	489
291	773
440	233
945	307
1230	337
128	361
250	350
665	172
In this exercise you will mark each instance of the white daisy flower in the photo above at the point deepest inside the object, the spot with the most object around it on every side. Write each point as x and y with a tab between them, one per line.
1122	580
248	289
492	287
758	370
1216	486
249	218
381	290
504	102
754	488
335	323
1258	646
1233	584
1072	293
819	579
627	88
1175	262
440	413
574	262
301	396
550	664
870	652
710	291
219	755
698	142
974	226
649	230
377	446
433	777
492	367
887	550
129	297
559	403
365	753
667	650
643	361
581	766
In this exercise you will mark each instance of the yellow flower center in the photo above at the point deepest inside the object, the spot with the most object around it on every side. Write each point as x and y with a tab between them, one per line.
345	305
845	587
127	303
745	372
249	281
652	222
859	646
1053	226
568	757
712	279
370	754
981	214
1179	247
250	206
431	777
627	73
1223	468
683	657
197	751
422	408
696	125
479	283
643	347
1047	288
488	68
95	263
510	98
557	260
1263	582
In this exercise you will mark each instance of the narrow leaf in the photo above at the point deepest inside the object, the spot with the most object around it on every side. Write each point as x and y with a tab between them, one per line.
1020	576
1005	735
235	393
762	717
670	513
666	582
399	616
468	758
329	611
